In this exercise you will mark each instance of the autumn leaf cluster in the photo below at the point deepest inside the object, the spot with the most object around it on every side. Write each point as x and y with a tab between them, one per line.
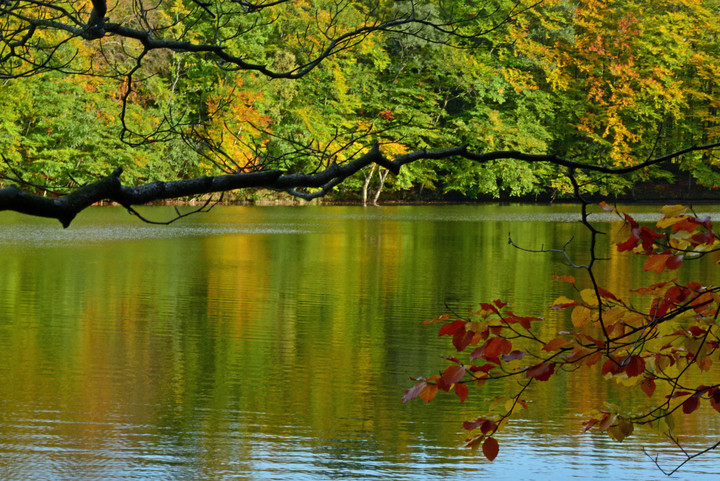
656	339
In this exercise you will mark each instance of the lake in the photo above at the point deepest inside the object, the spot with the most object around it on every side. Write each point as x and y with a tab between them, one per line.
271	343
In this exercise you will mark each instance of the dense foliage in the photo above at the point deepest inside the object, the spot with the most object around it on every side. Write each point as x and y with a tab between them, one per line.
611	83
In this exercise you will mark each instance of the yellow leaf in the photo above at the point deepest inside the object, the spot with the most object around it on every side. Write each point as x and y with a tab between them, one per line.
592	414
614	314
621	429
502	423
580	316
633	319
589	297
669	422
673	210
497	401
623	380
681	240
693	344
666	222
563	301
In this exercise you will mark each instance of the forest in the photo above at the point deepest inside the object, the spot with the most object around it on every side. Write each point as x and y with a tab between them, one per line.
610	83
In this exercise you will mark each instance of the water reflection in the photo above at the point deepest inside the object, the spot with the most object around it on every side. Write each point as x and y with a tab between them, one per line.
275	343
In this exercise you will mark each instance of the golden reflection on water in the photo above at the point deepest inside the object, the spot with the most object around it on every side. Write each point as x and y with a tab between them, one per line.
276	343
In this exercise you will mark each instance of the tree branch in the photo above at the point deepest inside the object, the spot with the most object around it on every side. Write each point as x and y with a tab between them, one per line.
111	189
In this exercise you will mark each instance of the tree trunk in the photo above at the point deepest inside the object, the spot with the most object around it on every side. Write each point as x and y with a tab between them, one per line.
383	175
366	185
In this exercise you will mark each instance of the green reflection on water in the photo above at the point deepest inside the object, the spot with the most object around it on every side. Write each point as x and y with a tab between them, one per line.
264	343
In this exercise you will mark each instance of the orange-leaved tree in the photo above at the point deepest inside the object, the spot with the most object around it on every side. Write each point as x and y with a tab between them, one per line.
657	339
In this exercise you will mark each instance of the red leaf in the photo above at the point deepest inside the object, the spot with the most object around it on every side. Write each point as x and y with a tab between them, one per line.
486	368
413	392
653	290
568	279
556	344
496	347
696	331
593	359
462	392
563	302
488	307
607	294
453	374
628	245
631	221
677	294
541	372
691	404
689	224
678	394
514	355
658	308
635	366
589	424
441	384
488	426
702	303
611	366
462	339
634	238
703	238
491	448
500	304
511	318
428	392
648	236
714	394
470	425
674	262
451	328
648	386
386	114
598	342
656	263
451	359
444	317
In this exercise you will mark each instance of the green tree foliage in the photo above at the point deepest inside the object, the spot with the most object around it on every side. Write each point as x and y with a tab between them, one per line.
611	84
628	80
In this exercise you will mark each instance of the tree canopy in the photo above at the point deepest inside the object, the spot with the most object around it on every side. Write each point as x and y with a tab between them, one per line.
135	102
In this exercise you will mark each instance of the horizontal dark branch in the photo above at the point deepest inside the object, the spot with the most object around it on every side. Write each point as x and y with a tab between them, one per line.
111	189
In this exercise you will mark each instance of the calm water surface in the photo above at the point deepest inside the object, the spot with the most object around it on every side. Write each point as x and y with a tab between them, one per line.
258	343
